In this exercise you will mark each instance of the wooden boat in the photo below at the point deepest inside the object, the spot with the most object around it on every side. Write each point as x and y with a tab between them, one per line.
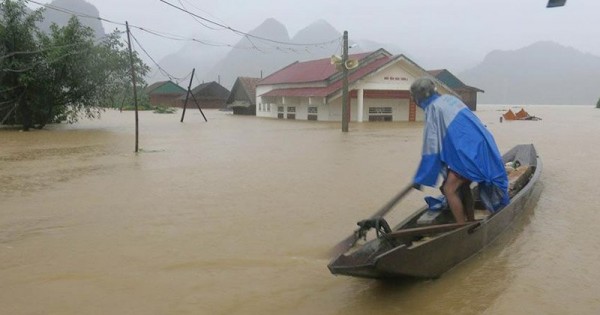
428	250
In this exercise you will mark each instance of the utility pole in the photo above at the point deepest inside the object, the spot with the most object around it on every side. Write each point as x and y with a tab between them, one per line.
189	92
137	133
345	103
187	95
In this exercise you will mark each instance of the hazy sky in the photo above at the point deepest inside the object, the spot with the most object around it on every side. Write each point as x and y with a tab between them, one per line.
462	31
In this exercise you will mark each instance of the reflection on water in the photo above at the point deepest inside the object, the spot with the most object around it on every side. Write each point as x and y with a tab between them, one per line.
236	215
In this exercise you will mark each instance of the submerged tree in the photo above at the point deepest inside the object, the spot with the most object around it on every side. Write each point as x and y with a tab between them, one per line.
61	75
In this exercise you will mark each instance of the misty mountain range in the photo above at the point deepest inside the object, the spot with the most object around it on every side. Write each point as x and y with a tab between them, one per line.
541	73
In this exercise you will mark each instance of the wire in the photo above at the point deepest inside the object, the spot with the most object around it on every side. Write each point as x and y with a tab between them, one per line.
246	34
54	60
161	69
200	9
14	53
181	38
195	19
145	29
9	89
79	14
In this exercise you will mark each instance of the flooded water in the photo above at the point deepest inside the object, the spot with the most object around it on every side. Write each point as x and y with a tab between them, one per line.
236	216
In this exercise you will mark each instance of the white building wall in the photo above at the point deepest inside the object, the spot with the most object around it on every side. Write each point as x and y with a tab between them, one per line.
392	78
396	77
335	110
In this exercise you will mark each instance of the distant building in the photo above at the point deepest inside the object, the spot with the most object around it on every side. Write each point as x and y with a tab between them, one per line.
242	98
208	95
468	94
312	90
164	93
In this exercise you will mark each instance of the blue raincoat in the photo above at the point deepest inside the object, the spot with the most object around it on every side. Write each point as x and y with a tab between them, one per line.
455	138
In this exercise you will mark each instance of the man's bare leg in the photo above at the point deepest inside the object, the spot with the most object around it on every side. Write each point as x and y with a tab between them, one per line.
451	191
468	202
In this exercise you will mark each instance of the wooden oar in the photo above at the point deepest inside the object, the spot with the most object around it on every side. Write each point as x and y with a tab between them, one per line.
349	241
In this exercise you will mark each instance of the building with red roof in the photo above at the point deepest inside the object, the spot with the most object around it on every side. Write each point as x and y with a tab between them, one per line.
312	90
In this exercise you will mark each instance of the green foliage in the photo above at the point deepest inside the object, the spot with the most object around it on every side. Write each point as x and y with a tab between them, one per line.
164	110
62	75
598	103
160	109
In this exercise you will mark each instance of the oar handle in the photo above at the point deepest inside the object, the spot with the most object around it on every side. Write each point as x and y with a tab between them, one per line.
388	206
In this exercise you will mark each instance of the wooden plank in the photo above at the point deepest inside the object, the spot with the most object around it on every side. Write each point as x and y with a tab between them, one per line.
431	229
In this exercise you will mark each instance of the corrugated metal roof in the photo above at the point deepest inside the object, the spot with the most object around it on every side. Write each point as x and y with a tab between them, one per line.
308	71
249	85
243	88
305	92
164	87
451	80
335	86
209	90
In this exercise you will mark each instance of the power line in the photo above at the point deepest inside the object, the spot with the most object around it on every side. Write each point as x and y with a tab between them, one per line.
145	29
195	19
246	34
14	53
181	38
54	60
41	62
161	69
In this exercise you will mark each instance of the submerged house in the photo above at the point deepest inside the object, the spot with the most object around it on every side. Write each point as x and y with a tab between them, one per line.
164	93
208	95
312	90
242	99
467	94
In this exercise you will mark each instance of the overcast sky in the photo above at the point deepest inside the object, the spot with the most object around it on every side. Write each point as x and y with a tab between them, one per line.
463	30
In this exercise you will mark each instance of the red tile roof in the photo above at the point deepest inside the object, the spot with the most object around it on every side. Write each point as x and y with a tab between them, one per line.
308	71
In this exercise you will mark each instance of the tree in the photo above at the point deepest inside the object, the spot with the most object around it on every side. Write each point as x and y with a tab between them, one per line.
598	103
18	44
62	75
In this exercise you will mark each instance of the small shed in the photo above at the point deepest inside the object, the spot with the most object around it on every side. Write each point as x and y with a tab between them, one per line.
242	98
208	95
468	94
164	93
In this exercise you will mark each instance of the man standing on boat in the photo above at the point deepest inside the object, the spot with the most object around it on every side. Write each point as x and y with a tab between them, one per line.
457	145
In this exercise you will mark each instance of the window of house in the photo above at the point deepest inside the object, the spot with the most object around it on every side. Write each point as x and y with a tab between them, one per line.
380	110
291	109
380	114
313	113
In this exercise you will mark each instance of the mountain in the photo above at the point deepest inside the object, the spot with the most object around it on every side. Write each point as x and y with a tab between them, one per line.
542	73
192	55
79	6
253	56
318	32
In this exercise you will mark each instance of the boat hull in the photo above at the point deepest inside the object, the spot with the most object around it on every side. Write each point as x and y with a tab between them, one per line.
384	258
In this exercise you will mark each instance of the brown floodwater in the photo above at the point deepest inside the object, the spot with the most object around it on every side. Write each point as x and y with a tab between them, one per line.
236	216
